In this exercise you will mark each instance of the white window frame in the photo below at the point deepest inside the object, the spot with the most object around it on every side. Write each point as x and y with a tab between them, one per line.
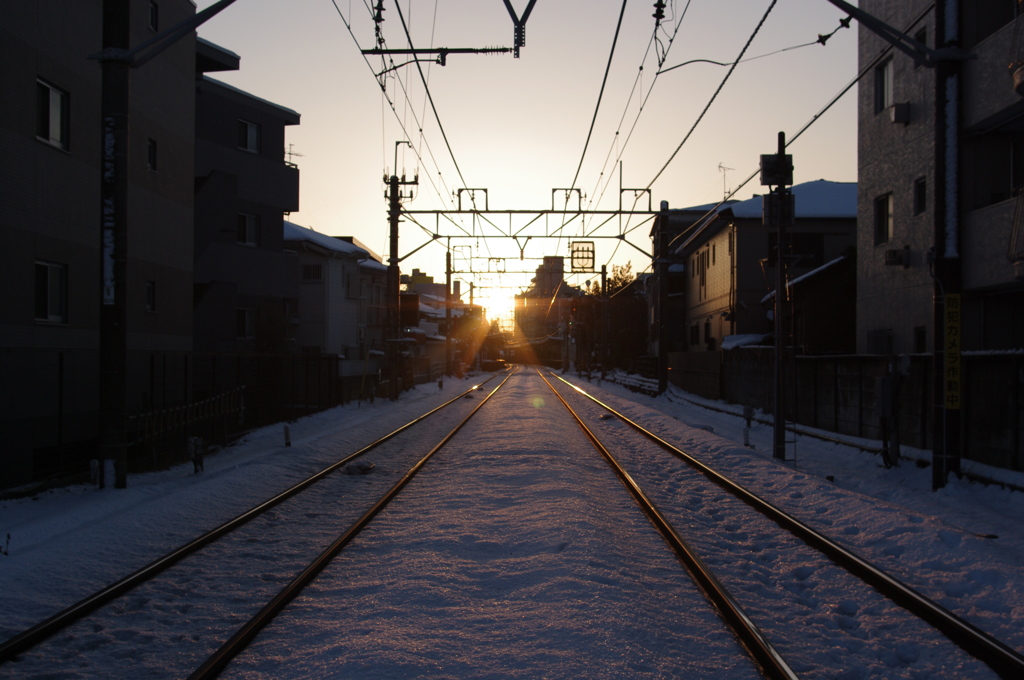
884	86
53	117
248	229
251	140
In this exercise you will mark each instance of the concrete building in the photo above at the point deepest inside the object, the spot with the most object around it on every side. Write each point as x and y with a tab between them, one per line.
50	180
246	282
935	199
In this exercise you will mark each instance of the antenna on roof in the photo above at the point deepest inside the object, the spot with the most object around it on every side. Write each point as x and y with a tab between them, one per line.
722	169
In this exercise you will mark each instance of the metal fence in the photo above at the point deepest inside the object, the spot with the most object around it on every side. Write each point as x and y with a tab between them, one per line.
843	395
49	404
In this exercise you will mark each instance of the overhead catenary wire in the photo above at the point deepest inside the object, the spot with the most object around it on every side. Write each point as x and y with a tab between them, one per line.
444	196
433	108
640	110
790	139
715	95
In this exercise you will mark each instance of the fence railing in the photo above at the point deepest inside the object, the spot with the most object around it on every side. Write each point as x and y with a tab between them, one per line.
49	419
843	395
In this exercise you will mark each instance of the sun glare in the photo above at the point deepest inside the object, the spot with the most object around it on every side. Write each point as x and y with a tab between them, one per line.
498	305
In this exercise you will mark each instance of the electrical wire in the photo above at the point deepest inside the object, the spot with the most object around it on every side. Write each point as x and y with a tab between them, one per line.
690	233
715	95
392	106
639	112
437	117
600	95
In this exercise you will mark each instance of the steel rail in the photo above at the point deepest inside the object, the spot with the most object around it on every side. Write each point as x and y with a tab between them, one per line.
39	632
761	651
1001	658
217	661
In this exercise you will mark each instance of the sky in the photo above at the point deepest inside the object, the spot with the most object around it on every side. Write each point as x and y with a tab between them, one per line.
519	127
535	564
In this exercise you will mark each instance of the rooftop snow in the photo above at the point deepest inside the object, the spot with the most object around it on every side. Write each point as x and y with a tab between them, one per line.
293	232
821	198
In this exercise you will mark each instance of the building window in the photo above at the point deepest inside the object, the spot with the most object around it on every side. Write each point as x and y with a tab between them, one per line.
248	136
248	229
151	154
51	292
921	37
245	322
312	272
883	219
883	86
920	195
52	115
150	296
154	16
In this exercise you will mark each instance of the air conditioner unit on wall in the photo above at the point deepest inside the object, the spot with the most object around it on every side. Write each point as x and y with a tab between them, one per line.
900	113
898	257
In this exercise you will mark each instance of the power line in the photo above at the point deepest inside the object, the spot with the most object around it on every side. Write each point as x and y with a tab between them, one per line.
790	139
604	81
711	101
640	111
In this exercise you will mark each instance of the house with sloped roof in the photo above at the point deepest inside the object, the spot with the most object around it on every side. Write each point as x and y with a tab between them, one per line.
728	260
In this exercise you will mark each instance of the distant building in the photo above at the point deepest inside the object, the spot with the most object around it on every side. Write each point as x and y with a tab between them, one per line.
543	313
907	201
246	282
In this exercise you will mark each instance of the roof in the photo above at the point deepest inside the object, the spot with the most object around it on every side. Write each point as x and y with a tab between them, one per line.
820	199
211	57
804	277
289	116
293	232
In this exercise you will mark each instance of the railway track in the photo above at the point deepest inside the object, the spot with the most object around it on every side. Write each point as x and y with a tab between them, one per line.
307	510
1001	658
712	551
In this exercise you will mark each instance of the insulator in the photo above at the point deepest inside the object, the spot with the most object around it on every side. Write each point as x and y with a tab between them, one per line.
659	10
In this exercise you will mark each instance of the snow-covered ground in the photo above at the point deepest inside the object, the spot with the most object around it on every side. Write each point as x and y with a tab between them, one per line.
524	572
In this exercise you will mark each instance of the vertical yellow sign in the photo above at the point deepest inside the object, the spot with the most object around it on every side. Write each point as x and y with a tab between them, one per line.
952	353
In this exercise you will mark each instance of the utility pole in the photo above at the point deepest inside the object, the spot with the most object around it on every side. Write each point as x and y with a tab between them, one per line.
946	309
394	309
661	276
778	210
448	310
114	245
116	62
606	343
393	288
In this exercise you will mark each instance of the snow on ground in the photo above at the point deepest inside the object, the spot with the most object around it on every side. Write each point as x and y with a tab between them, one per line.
541	610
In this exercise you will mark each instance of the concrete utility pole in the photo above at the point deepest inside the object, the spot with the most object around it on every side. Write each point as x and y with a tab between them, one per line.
661	258
778	209
393	287
117	61
448	310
